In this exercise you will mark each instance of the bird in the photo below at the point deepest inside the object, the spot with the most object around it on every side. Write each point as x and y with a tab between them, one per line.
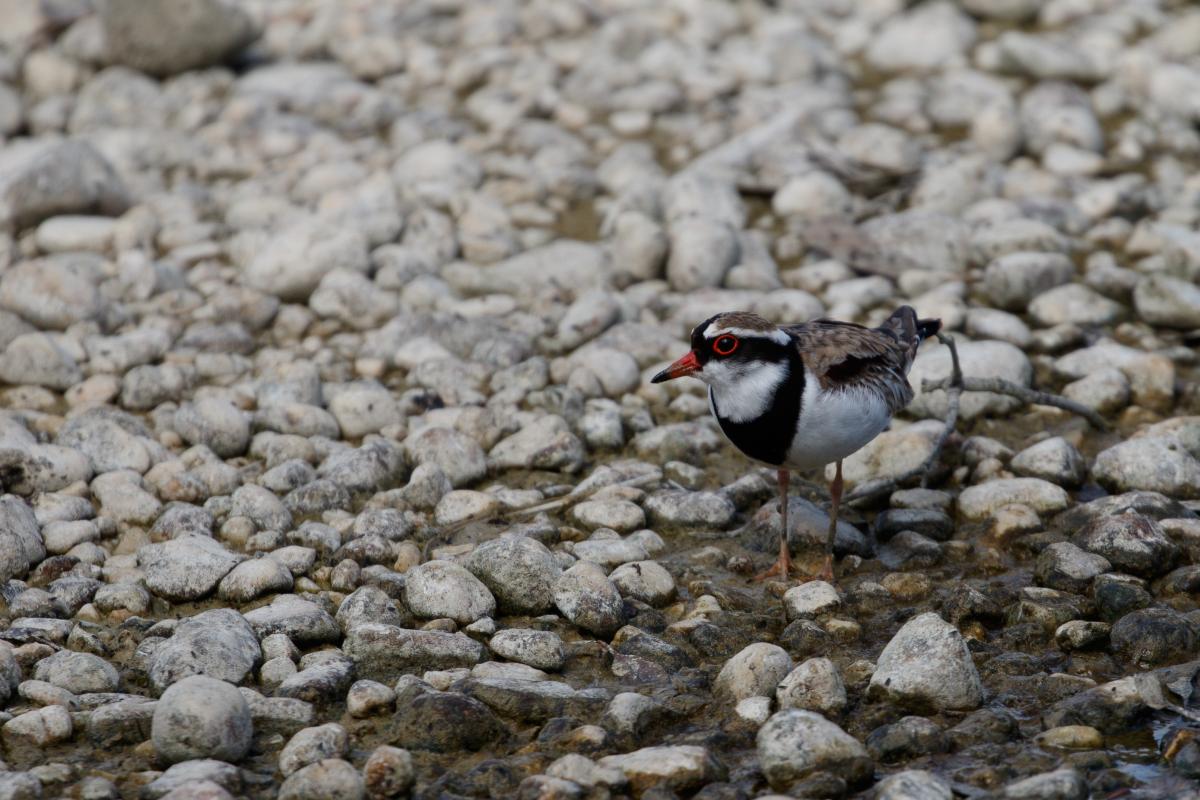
801	396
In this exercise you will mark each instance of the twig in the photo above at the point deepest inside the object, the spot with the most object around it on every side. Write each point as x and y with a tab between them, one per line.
1032	396
954	386
877	488
551	505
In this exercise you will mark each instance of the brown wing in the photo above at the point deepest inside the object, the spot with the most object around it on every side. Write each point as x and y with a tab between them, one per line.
846	356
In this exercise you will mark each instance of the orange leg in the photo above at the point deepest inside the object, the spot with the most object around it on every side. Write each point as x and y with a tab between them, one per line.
783	565
835	496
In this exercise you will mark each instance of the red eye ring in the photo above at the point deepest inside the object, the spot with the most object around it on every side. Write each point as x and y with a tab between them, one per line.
725	344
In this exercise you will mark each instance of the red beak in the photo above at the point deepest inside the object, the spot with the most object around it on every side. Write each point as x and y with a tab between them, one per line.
684	366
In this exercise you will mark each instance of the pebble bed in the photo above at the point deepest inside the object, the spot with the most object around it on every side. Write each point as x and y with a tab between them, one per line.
330	467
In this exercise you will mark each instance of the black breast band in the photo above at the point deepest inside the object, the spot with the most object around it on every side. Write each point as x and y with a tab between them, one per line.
768	437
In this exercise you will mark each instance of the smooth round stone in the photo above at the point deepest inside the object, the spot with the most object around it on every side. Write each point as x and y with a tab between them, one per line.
1076	737
201	717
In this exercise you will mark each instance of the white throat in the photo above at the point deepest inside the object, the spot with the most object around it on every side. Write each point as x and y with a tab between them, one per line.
744	393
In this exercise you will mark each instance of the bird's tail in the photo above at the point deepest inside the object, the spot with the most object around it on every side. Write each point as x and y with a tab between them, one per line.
904	325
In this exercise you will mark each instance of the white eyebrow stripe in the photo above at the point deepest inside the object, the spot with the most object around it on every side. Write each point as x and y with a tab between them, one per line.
776	335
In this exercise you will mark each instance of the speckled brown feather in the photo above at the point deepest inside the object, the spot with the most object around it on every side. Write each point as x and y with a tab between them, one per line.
845	356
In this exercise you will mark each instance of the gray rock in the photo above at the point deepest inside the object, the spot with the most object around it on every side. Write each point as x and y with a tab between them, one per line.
44	468
689	509
42	727
202	717
181	570
44	177
810	600
367	604
535	700
1002	360
262	506
61	536
923	39
1169	302
814	685
331	779
1065	783
459	457
293	262
389	772
52	293
445	589
1150	464
78	673
539	649
677	768
1132	542
38	360
1154	637
20	786
981	501
1054	459
111	439
519	571
177	36
310	745
754	671
586	597
301	620
701	252
385	652
1074	304
1015	279
324	681
793	744
547	443
913	784
377	464
21	545
254	578
368	698
621	516
609	552
444	722
1065	567
218	643
647	581
187	775
363	408
215	423
927	664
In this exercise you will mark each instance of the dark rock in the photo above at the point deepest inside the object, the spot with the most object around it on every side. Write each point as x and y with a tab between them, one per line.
532	701
315	497
804	638
1117	595
1131	542
906	738
965	601
1111	708
1149	504
324	682
445	722
910	550
1154	637
985	726
1047	608
931	523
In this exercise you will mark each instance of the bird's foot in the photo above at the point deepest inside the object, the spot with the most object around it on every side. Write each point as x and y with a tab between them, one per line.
783	568
826	571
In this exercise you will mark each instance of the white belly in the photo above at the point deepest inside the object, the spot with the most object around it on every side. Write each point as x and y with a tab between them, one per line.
832	426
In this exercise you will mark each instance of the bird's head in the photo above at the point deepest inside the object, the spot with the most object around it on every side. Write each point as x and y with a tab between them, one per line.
732	348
